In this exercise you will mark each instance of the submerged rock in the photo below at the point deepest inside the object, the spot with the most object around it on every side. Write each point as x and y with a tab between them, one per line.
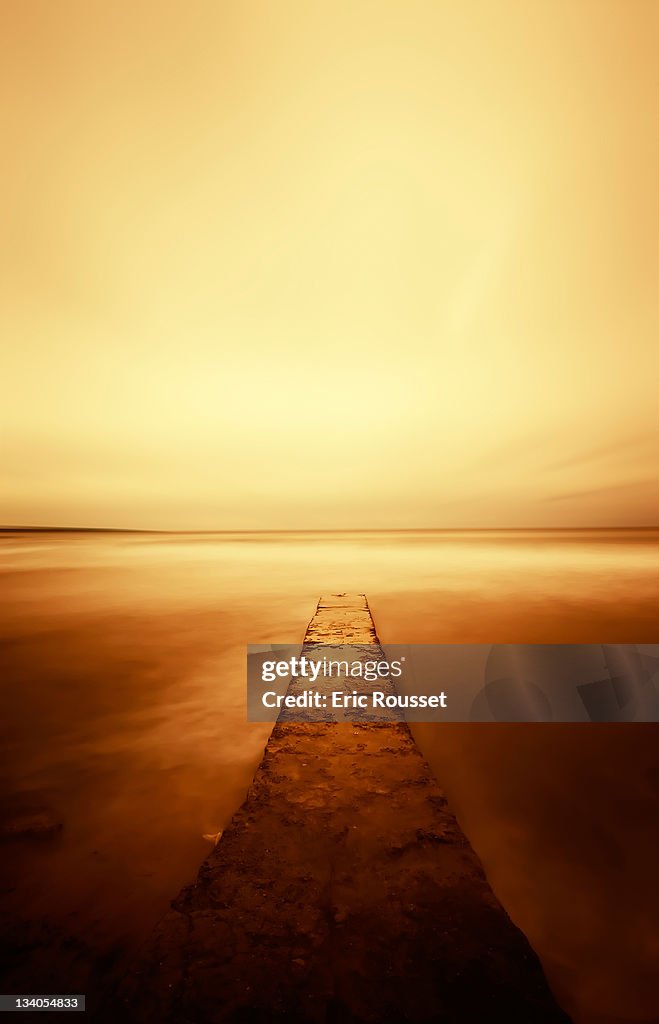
36	825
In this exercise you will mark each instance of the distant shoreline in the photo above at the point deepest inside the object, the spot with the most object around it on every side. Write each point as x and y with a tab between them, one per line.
293	530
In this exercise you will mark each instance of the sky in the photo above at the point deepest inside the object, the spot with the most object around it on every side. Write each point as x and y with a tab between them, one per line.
329	265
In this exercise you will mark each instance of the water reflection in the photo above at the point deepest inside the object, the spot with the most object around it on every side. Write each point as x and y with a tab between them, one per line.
123	713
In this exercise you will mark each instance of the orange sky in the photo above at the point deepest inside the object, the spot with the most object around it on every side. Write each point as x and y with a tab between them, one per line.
329	264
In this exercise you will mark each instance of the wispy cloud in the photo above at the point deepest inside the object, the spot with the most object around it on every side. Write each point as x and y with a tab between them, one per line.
641	444
647	487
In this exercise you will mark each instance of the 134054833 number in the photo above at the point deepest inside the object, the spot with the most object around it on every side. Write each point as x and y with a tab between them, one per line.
42	1002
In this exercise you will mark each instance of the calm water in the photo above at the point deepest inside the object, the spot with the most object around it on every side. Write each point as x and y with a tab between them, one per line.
123	717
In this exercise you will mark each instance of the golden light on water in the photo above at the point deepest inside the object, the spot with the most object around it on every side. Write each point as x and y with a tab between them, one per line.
297	265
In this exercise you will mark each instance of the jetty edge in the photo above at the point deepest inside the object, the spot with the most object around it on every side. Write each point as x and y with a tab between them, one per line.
342	890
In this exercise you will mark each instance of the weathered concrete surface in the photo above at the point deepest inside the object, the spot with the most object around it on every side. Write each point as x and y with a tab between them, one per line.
342	890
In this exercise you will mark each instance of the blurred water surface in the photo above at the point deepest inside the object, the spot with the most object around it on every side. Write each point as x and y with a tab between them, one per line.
123	717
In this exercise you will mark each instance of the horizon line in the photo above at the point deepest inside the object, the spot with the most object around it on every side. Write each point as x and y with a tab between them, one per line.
320	529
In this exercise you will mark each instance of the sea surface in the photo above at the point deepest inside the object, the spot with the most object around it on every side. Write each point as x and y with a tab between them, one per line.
122	718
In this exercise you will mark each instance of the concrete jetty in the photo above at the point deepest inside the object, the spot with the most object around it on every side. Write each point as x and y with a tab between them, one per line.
341	891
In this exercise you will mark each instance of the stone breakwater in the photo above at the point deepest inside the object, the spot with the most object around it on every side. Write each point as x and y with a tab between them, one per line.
343	890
